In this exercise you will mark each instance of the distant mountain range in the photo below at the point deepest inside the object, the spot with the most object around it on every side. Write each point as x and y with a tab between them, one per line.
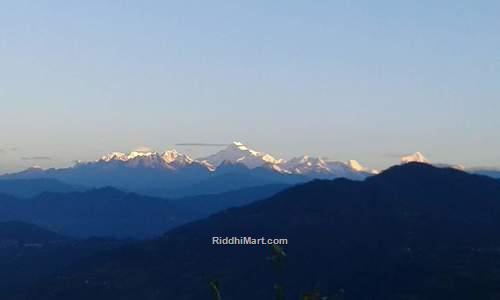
173	174
412	232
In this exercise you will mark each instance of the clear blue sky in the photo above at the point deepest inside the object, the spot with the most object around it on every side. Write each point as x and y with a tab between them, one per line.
368	80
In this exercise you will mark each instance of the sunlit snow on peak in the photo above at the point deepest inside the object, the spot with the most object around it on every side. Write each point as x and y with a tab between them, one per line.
415	157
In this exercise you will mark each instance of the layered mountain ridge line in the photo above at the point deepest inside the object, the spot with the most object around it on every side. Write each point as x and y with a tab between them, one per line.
235	153
173	174
239	153
414	231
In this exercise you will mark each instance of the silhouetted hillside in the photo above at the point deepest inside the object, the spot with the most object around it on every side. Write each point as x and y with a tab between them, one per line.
412	232
26	233
211	203
98	212
29	253
31	187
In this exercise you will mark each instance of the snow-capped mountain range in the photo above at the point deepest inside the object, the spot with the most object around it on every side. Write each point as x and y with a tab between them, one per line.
172	173
420	158
239	153
170	159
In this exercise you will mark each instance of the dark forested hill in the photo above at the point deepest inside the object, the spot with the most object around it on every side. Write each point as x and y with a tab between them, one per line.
211	203
412	232
27	233
29	253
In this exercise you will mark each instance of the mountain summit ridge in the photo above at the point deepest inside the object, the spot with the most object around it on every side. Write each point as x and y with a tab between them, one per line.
234	153
172	173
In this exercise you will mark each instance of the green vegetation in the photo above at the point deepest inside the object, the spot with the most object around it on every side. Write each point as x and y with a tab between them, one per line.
214	285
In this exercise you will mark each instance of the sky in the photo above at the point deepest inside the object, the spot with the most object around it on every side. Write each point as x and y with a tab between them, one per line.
365	80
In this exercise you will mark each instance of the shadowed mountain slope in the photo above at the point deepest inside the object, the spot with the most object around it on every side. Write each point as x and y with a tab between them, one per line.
97	212
29	253
412	232
26	188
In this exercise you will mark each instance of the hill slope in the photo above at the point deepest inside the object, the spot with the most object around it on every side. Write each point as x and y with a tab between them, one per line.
26	233
29	253
26	188
212	203
412	232
98	212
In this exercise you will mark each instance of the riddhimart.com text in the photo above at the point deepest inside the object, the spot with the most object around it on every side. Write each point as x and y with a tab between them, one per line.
247	240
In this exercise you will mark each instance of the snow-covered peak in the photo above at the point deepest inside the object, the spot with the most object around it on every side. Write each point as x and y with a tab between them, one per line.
239	145
237	152
120	156
169	159
306	164
35	168
415	157
355	165
135	154
171	156
304	159
325	168
114	156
